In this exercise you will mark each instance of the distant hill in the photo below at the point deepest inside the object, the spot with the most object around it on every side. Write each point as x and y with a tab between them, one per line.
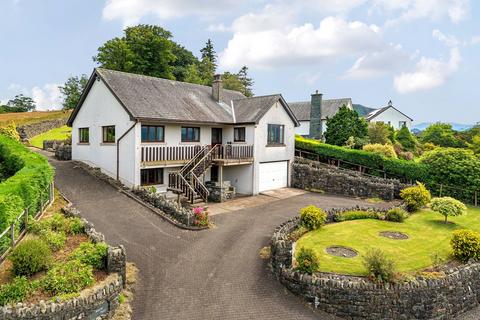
456	126
23	118
362	110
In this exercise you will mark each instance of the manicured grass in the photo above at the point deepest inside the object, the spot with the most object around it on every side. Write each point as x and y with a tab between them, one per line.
427	233
22	118
61	133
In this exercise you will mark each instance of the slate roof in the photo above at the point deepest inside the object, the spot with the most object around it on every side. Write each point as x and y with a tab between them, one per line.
157	99
376	112
329	108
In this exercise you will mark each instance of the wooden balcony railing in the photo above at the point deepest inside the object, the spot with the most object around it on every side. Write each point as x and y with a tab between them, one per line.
186	153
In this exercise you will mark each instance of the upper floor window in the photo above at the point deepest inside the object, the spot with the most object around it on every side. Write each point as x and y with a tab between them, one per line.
275	134
402	124
83	135
239	134
108	134
190	134
153	134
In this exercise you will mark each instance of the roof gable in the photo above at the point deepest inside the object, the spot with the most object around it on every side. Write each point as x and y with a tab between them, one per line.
377	112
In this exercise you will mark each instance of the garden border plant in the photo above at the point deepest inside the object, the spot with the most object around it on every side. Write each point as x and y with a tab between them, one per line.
420	297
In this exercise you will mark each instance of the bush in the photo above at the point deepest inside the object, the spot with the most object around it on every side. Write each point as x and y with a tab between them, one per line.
409	170
447	206
55	240
10	130
465	245
31	178
200	216
396	215
91	254
307	261
16	291
70	277
30	256
297	233
355	215
415	197
453	167
382	149
406	139
379	266
57	223
312	217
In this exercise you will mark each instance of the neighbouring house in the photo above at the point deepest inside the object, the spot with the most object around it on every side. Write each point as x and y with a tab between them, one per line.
313	114
390	115
187	138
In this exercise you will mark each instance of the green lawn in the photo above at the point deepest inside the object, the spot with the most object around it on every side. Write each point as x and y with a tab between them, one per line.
427	235
61	133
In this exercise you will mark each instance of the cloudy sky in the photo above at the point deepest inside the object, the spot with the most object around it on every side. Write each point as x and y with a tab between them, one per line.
424	55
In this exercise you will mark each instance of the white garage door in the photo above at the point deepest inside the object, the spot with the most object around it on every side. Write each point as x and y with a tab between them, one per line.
273	175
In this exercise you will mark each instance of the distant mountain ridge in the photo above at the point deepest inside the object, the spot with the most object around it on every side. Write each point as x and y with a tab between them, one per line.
456	126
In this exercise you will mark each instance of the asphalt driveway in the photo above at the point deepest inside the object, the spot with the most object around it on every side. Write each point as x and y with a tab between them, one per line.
213	274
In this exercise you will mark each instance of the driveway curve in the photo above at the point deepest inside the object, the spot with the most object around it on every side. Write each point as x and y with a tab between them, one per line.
213	274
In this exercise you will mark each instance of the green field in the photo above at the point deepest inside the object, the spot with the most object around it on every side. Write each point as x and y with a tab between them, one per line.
61	133
427	233
23	118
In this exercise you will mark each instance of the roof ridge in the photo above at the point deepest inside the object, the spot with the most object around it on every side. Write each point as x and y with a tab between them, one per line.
255	97
161	79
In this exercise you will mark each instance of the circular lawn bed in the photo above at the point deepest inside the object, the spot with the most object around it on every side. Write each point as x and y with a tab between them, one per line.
427	236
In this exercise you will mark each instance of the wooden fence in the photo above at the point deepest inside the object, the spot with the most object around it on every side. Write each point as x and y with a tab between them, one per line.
10	237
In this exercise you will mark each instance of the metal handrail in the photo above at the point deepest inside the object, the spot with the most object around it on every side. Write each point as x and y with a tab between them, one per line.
193	160
203	188
201	160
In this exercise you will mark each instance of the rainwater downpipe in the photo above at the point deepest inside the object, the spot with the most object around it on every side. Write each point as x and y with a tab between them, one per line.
118	148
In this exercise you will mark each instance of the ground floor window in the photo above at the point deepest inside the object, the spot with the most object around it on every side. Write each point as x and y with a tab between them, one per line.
151	176
83	134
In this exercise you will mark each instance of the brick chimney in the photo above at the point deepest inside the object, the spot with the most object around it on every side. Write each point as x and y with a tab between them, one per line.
316	116
217	87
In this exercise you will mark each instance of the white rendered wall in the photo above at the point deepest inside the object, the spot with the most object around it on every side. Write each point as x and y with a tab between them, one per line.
392	117
241	177
304	129
264	153
101	108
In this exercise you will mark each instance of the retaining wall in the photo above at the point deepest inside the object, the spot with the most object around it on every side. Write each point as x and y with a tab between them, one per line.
31	130
315	176
358	298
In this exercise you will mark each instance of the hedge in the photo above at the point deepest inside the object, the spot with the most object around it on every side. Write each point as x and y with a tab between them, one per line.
28	176
408	170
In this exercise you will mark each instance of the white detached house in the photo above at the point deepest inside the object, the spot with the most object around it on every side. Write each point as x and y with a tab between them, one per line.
183	137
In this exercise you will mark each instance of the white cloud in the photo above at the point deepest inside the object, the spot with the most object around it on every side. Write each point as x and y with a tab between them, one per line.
131	11
47	97
448	40
428	74
475	40
378	63
269	39
325	6
404	10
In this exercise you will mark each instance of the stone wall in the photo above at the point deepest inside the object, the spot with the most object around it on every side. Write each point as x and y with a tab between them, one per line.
98	302
63	152
359	298
316	176
52	145
31	130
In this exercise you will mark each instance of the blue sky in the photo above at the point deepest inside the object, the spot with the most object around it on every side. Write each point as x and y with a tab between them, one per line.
424	55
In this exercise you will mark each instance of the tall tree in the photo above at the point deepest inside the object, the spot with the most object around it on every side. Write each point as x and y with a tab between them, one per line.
192	75
246	81
406	139
72	91
209	52
344	124
378	133
232	82
144	49
183	60
21	103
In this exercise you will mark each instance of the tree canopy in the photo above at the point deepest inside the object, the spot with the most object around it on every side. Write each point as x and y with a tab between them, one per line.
19	103
406	139
442	135
72	91
379	133
149	50
344	124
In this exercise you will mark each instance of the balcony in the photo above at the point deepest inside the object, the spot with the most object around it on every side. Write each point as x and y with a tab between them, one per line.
224	155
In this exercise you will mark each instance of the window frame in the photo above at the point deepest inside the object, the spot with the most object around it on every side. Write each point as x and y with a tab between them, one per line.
281	128
80	136
105	134
402	124
149	127
160	177
242	129
186	134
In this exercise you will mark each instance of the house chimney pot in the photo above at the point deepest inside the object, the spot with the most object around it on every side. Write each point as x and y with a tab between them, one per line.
217	88
390	103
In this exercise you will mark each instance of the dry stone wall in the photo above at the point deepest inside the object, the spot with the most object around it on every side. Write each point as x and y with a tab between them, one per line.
315	176
31	130
358	298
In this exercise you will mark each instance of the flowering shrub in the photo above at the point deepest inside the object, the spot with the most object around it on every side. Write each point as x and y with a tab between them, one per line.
200	217
415	197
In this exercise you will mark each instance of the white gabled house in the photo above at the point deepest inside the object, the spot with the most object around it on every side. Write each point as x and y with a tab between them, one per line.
391	116
180	136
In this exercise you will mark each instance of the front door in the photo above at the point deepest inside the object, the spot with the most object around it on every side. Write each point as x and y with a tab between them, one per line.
216	136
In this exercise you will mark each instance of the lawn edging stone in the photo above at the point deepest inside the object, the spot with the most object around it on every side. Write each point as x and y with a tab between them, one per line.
97	302
354	297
